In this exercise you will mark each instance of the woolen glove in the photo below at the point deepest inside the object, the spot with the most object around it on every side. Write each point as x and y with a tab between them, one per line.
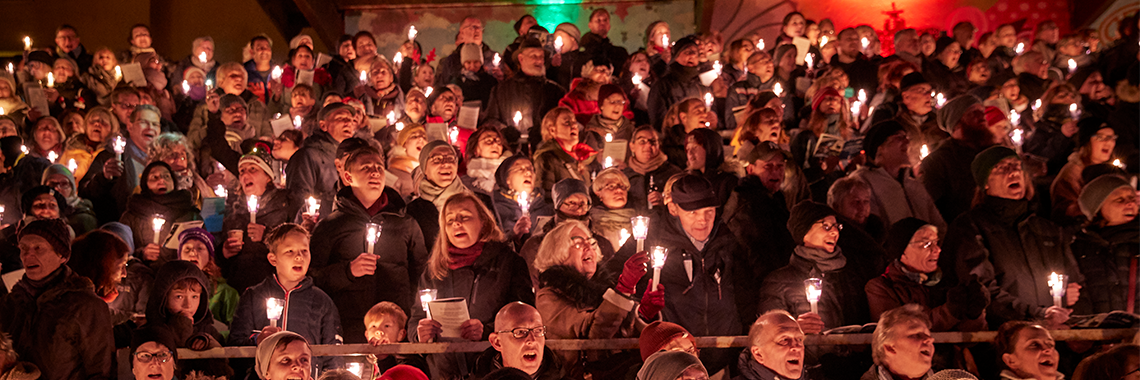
968	300
635	267
652	303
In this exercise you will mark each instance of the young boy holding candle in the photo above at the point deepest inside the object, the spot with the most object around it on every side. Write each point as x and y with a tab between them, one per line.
384	324
305	309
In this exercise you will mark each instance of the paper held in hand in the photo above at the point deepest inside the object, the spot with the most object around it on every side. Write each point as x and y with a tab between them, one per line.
451	313
305	77
615	149
36	98
172	241
436	131
133	74
281	124
11	278
322	60
468	117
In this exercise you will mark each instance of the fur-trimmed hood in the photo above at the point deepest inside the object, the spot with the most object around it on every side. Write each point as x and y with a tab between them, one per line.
583	293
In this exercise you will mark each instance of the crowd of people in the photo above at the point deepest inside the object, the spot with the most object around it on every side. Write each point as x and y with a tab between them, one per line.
825	182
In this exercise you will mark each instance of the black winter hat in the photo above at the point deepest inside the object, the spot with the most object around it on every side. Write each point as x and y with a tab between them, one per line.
1087	128
42	57
804	215
55	231
567	187
30	196
941	44
985	161
10	147
503	172
898	238
683	43
878	134
155	333
693	192
350	145
911	80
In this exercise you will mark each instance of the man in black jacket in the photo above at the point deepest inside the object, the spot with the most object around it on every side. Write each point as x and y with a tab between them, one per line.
527	93
759	213
680	82
311	171
342	266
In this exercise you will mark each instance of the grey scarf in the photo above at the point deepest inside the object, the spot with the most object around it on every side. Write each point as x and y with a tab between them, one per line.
824	260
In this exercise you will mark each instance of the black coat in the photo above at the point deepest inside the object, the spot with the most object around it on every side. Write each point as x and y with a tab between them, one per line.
498	277
678	83
1104	255
842	303
339	239
311	170
759	221
250	265
639	184
1012	251
308	311
186	330
63	328
176	207
21	177
947	177
533	96
491	360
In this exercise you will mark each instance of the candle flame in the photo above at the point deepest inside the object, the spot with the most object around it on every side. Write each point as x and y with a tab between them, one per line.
157	223
924	151
220	191
1014	118
276	73
1020	48
1117	163
314	204
185	87
524	201
810	60
862	96
760	45
71	165
865	42
778	89
1072	65
297	121
399	57
50	80
373	232
658	257
27	43
273	308
399	126
813	287
363	76
518	118
609	137
412	32
558	44
427	91
202	57
51	156
708	100
252	204
823	41
636	79
640	227
608	163
495	61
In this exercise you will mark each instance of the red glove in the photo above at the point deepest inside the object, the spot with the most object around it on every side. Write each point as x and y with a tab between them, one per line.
652	303
635	267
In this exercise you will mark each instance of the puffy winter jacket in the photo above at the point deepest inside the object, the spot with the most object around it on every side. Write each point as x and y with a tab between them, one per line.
311	170
1105	255
250	266
678	83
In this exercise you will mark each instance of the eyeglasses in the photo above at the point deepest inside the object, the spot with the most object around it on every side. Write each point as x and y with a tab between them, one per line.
491	140
147	357
615	102
828	227
1100	137
574	205
1007	168
445	159
522	333
615	187
926	244
645	141
581	242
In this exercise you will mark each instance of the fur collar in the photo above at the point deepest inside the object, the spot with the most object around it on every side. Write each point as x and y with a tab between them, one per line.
565	281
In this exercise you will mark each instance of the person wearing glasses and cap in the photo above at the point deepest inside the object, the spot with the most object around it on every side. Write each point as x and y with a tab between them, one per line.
519	341
154	351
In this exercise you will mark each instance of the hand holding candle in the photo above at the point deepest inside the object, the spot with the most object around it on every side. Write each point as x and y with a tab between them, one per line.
120	145
1057	285
640	230
659	254
251	203
314	206
814	289
371	235
273	310
427	296
157	224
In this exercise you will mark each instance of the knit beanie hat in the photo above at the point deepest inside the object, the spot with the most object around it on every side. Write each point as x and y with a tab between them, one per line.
471	52
658	334
994	115
762	99
567	187
155	333
503	172
41	57
898	238
407	133
228	100
1096	192
668	365
403	372
823	94
985	161
332	108
426	152
1088	126
199	234
123	232
878	134
30	196
570	29
264	353
608	89
682	44
256	159
55	231
911	80
950	113
804	215
941	44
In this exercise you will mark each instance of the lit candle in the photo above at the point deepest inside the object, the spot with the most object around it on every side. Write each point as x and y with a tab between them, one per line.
412	32
11	68
865	42
923	152
391	117
314	205
717	67
624	233
809	60
1072	66
665	41
658	263
426	297
399	126
120	145
372	233
1020	48
1117	163
1	110
51	156
252	204
156	224
297	121
118	73
524	203
862	96
27	43
640	230
427	92
1074	112
518	119
363	76
1017	137
856	106
276	73
51	80
202	57
185	87
608	163
778	89
273	310
760	45
24	149
398	58
356	368
939	100
708	100
1	214
1014	118
609	137
453	134
209	84
1057	284
220	191
495	61
636	79
814	289
823	41
1036	105
558	45
71	165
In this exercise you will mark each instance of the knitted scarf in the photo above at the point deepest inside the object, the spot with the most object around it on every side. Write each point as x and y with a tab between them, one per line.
462	257
824	260
645	168
437	195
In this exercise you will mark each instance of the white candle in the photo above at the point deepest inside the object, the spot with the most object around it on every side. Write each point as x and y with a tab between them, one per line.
923	152
778	89
119	146
71	165
297	121
220	191
658	263
1057	283
51	80
427	92
814	290
640	230
524	203
251	203
276	73
157	224
273	310
427	296
11	68
314	205
202	57
371	234
1017	137
412	32
27	43
51	156
453	134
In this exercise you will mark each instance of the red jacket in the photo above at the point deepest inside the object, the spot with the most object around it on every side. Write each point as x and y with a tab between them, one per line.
584	108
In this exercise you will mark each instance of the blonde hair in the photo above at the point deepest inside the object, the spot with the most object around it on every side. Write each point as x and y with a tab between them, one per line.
608	176
889	322
550	121
389	309
555	248
438	262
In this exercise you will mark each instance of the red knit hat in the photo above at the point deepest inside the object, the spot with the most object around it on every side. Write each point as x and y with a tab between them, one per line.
994	116
658	334
403	372
821	94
